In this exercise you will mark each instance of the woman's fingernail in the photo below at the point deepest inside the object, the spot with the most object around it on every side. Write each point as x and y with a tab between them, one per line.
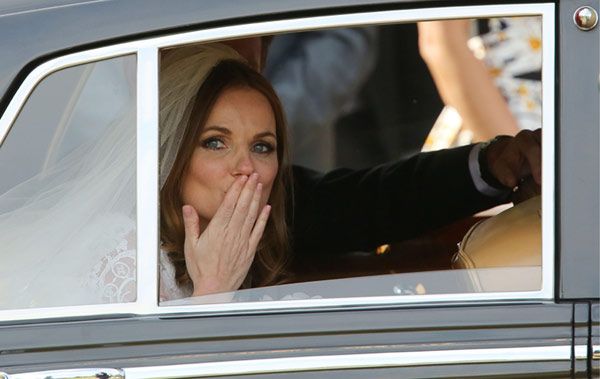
187	210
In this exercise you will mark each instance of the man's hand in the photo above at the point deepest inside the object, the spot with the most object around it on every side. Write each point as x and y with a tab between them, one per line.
514	159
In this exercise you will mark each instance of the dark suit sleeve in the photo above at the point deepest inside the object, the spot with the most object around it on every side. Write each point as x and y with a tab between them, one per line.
349	210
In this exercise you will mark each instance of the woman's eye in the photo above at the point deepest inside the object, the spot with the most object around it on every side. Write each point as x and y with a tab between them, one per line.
213	144
262	148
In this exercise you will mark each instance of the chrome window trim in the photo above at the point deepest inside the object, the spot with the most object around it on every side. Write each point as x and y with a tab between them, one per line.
84	373
146	50
359	361
328	362
147	178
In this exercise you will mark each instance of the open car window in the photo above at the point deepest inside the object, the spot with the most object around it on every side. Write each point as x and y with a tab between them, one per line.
361	102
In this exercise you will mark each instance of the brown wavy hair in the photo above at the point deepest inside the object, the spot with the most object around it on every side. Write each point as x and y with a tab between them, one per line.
272	255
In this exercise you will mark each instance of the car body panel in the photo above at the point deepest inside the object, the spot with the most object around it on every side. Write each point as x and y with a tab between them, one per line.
579	132
167	341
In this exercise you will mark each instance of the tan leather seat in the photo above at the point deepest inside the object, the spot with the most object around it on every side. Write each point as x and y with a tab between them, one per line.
512	238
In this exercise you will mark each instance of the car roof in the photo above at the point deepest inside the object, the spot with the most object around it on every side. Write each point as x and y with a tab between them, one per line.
13	7
36	30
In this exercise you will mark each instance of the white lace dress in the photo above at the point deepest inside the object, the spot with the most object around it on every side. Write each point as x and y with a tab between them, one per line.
169	290
114	276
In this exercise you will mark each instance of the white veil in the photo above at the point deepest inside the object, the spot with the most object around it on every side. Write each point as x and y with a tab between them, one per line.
183	71
58	225
67	234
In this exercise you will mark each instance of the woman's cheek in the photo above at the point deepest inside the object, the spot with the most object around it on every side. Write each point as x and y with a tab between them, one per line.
269	179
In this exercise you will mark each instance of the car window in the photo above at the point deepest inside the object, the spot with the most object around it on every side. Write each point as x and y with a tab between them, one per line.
354	237
358	103
67	195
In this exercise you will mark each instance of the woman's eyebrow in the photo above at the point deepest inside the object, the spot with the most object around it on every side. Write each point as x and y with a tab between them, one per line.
218	129
265	134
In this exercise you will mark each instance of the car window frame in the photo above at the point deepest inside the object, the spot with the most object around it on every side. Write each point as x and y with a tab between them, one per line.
147	52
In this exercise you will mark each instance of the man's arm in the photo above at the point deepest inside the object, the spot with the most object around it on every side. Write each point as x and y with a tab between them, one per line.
348	210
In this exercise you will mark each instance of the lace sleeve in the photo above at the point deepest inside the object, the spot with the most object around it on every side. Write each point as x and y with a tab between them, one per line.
113	277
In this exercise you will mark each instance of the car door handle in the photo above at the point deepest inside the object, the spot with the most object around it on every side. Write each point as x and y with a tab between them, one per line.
85	373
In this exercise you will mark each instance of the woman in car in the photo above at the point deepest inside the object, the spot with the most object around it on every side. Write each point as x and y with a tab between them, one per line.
223	127
69	233
216	227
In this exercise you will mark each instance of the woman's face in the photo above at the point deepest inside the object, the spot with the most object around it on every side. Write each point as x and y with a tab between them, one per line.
239	138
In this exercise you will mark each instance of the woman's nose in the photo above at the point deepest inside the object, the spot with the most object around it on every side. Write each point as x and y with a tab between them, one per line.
243	164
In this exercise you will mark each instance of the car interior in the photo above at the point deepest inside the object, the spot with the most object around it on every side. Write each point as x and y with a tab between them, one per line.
391	109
